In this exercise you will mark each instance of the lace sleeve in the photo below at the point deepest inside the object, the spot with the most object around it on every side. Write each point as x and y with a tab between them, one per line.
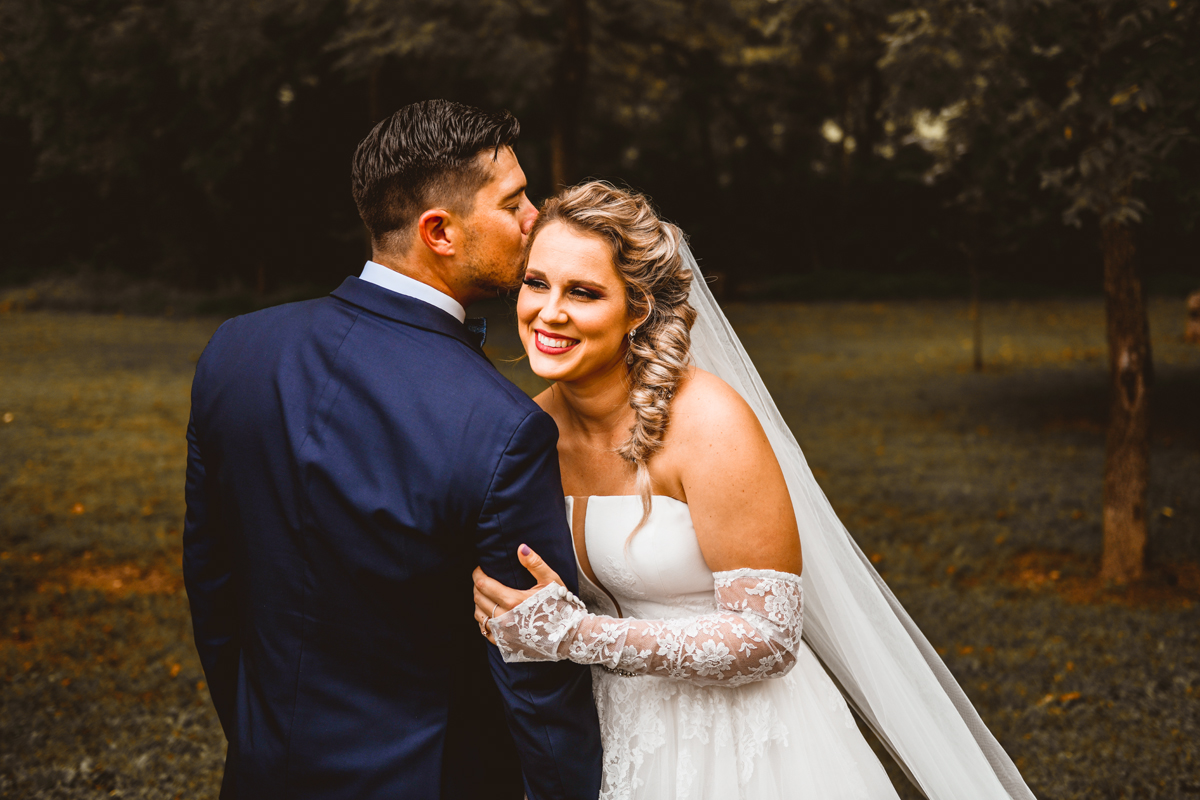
754	633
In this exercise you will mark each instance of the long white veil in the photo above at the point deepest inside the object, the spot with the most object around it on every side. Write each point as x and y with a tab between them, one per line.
852	621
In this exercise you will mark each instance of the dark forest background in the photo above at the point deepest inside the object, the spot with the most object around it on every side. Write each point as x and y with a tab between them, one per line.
811	148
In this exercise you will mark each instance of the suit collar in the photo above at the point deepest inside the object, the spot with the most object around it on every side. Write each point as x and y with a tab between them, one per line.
398	282
403	309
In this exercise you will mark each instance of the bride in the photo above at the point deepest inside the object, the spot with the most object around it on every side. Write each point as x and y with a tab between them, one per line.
689	501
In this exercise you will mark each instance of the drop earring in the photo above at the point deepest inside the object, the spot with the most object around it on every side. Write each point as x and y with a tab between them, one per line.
632	334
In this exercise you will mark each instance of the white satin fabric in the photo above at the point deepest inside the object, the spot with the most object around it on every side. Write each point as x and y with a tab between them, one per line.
784	737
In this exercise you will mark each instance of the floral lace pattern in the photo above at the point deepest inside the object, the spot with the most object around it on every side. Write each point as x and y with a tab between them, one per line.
618	577
753	635
634	713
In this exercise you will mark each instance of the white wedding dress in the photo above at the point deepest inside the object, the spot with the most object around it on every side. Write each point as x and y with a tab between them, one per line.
695	727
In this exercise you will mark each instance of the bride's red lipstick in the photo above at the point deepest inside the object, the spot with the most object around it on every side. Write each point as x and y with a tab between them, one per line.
540	337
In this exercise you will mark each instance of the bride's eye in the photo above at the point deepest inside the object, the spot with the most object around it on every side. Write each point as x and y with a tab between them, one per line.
585	294
534	283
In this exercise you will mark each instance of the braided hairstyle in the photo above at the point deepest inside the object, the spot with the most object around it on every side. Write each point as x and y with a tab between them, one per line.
646	253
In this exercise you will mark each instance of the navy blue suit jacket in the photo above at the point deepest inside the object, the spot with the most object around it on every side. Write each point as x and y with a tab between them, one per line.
350	460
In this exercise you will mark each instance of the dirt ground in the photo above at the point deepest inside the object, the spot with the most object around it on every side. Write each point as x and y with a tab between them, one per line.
977	495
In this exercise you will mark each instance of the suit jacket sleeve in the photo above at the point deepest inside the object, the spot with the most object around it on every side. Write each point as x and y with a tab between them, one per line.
208	576
549	706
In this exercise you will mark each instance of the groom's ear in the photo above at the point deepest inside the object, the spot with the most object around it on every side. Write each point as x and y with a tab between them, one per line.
438	230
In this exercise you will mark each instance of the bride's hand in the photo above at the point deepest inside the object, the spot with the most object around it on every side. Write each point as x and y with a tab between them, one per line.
493	598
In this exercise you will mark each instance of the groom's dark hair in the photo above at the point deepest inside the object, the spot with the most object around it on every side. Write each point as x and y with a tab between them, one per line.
424	156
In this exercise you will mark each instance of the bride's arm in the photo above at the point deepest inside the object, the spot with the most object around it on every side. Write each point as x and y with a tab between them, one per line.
754	634
717	456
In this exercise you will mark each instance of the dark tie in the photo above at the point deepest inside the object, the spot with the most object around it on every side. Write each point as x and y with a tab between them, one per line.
477	329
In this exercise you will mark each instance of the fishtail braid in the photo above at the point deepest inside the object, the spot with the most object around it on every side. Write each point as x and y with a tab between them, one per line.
647	253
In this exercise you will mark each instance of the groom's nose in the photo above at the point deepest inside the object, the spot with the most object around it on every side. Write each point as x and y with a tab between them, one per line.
531	214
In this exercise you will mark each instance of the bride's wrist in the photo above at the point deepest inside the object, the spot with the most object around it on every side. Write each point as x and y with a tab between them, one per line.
539	625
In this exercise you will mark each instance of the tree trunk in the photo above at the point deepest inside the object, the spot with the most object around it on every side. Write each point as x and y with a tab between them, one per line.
1191	331
1127	455
374	108
969	247
974	312
872	130
570	77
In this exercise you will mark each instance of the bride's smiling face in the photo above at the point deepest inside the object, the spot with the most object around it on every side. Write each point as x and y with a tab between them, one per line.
571	310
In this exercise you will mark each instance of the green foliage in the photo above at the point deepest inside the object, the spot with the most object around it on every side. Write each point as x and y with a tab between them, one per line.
165	116
206	142
1092	95
1127	94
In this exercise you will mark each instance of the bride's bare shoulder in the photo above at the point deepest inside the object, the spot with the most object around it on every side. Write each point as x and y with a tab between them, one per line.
720	455
706	409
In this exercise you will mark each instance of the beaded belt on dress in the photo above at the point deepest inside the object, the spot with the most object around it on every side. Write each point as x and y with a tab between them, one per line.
623	672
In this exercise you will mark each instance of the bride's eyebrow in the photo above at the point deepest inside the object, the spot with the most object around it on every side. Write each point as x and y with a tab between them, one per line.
571	283
586	284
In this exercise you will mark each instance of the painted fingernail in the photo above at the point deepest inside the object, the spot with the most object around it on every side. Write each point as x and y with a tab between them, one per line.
525	550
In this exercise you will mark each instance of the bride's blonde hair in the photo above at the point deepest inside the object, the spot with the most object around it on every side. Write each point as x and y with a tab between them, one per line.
646	252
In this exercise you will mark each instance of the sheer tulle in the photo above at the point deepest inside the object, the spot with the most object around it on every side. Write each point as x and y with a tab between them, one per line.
853	622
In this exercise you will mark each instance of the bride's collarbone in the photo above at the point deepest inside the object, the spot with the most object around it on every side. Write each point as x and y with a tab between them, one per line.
594	473
591	464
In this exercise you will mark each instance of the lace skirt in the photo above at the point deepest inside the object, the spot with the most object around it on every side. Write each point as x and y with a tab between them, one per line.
789	737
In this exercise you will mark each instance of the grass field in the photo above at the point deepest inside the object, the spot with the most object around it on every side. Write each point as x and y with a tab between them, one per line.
977	495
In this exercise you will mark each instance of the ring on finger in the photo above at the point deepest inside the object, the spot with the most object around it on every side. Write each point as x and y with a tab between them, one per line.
493	614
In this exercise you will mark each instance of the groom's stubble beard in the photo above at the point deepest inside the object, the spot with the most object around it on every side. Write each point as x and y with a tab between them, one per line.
488	272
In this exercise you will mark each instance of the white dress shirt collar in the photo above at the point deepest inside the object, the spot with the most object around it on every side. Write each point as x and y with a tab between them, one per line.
393	281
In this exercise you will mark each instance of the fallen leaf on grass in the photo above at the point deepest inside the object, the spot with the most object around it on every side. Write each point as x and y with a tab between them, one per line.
118	579
1075	578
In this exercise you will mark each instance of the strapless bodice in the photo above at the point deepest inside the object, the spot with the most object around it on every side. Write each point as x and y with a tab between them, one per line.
661	574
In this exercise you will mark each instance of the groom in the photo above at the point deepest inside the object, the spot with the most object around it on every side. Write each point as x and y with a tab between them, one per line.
350	460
